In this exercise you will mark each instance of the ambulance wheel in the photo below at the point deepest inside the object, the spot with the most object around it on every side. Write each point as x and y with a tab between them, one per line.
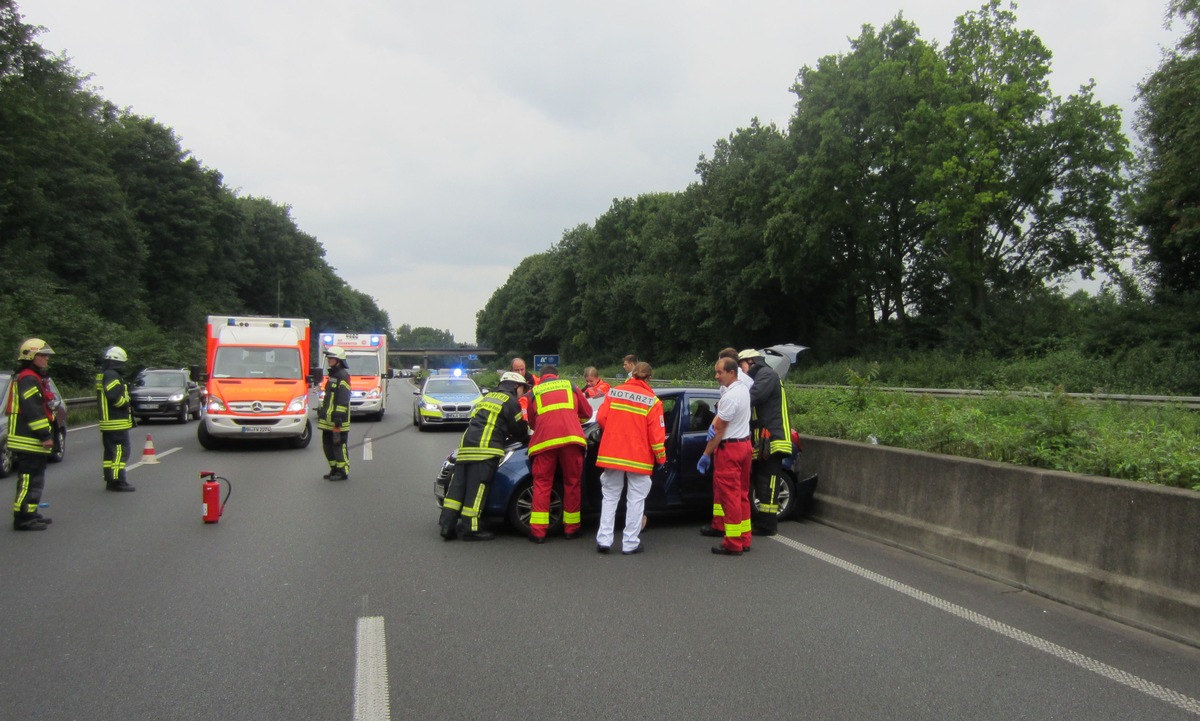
302	440
207	441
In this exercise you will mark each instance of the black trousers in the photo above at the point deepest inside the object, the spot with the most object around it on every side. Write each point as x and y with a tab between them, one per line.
116	455
31	479
338	454
467	493
765	481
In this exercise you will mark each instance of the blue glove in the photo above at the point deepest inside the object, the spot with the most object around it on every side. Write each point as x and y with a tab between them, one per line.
704	464
712	433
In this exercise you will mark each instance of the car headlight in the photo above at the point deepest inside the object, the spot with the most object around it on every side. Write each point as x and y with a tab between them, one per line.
176	397
433	407
215	405
298	404
372	394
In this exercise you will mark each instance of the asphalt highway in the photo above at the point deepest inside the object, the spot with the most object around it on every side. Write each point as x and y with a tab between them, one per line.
319	600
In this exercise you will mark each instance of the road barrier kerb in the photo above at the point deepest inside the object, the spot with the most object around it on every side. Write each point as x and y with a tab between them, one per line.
1127	551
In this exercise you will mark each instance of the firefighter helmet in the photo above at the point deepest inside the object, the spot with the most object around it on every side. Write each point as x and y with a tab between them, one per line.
334	351
514	377
749	354
34	347
116	353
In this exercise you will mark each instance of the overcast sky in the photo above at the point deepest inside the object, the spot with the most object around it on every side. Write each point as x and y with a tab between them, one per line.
431	146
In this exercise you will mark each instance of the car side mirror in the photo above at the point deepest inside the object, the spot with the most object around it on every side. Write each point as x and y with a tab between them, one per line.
416	391
199	374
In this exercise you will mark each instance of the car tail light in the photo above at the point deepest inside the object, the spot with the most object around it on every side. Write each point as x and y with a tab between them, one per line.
799	444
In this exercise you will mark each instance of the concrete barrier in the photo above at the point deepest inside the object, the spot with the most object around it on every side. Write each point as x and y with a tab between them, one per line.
1128	551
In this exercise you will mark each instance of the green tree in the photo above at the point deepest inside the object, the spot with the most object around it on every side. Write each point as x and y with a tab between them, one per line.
1167	200
1028	182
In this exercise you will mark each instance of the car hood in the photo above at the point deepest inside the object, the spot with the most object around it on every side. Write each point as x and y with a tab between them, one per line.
155	390
781	357
452	397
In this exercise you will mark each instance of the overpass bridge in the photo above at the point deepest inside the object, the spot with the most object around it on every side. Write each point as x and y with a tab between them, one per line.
466	353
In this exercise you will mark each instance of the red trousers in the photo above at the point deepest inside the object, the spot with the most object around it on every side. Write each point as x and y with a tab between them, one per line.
570	458
731	491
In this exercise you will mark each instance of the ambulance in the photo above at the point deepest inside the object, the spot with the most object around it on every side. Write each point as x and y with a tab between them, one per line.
367	360
257	377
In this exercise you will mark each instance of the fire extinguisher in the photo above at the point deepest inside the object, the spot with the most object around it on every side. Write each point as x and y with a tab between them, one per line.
214	506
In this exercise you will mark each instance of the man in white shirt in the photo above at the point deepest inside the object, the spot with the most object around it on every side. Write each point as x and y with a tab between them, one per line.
729	453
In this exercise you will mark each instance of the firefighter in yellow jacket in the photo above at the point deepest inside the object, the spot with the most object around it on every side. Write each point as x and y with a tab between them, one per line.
116	418
30	434
333	419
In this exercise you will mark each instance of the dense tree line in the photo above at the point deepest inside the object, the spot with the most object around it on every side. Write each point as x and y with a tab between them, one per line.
111	233
920	197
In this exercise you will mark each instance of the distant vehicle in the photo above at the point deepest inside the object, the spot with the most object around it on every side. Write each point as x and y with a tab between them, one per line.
366	359
60	426
444	400
257	380
166	393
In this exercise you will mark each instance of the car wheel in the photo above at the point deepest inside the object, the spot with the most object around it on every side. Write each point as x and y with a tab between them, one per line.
302	440
520	507
6	461
60	445
421	424
786	495
207	441
183	413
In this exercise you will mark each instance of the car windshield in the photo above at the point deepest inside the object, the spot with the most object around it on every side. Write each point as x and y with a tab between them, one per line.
362	365
451	386
161	379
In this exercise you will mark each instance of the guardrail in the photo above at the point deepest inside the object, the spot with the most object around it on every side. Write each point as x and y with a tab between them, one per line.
1192	402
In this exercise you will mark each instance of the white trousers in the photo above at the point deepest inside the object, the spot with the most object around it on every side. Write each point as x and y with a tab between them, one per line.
611	483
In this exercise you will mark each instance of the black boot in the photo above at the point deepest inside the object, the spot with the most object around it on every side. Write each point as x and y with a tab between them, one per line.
28	523
448	532
120	487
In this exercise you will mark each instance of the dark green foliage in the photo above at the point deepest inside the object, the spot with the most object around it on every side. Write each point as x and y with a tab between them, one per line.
1167	200
111	233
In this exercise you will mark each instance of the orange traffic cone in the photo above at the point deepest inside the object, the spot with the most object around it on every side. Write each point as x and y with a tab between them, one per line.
148	452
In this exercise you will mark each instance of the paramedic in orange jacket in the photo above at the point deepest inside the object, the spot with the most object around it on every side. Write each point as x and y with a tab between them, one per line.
557	409
634	442
594	386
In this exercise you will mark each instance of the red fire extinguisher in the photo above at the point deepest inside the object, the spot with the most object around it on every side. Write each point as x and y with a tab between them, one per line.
214	506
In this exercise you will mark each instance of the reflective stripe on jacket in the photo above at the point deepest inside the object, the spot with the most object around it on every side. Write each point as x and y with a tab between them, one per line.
28	418
112	397
556	411
634	435
335	406
496	418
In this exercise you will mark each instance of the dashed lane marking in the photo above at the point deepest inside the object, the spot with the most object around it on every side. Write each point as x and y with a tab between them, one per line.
1099	668
371	702
367	452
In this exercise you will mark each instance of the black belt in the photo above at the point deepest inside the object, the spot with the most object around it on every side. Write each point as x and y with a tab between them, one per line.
746	439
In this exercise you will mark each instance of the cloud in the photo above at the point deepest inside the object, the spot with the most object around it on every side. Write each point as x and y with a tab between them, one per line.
432	146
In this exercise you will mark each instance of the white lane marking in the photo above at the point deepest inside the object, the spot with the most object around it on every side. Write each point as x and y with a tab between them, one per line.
167	452
1136	683
371	701
367	452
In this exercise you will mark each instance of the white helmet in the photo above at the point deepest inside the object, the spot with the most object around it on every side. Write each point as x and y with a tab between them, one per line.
336	352
749	354
116	353
515	377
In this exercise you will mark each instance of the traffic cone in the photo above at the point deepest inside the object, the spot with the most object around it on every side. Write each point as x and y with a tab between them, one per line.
148	452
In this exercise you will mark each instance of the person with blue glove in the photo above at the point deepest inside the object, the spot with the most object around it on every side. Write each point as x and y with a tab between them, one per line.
729	454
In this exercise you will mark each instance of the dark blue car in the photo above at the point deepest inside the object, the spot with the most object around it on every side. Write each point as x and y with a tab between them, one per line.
687	413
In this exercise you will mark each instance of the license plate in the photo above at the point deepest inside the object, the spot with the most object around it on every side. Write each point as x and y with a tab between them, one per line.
148	406
456	415
255	429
